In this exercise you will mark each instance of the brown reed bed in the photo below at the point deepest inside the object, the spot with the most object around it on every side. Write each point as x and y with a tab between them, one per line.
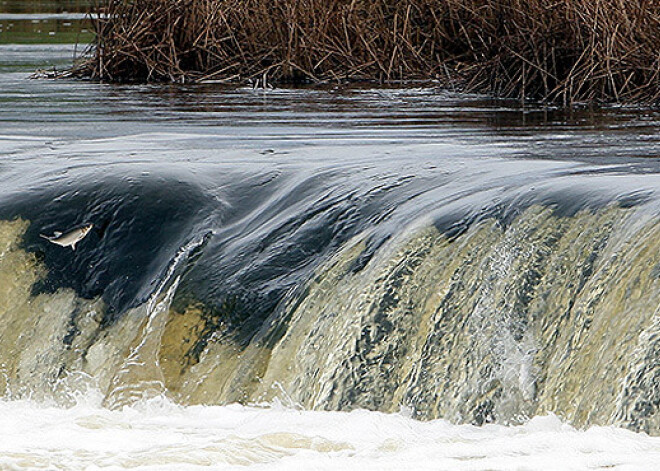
560	51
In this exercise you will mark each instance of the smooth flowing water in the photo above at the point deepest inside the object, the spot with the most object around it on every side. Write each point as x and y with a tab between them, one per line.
323	277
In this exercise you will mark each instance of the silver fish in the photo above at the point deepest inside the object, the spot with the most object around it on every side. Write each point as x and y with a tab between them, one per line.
71	238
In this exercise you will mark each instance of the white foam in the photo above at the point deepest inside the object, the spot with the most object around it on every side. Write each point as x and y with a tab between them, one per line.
160	435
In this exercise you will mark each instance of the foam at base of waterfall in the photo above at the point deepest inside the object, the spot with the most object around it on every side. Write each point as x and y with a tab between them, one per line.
157	434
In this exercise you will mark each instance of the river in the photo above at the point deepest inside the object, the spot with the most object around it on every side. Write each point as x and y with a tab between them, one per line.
319	277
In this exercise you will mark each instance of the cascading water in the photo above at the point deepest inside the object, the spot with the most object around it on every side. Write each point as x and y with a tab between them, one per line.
491	298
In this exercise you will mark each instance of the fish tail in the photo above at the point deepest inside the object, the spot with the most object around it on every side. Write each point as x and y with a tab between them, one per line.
44	236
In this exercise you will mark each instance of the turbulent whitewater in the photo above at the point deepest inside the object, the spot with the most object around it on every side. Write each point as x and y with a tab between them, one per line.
157	435
339	277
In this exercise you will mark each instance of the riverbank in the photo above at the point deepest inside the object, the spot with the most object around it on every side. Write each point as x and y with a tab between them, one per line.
561	52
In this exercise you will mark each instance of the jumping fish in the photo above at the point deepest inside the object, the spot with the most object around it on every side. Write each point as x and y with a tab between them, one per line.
71	238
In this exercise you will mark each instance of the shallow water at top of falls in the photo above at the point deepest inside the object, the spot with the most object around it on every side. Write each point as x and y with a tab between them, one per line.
242	117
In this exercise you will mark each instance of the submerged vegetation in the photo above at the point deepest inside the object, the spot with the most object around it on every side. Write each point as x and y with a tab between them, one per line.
562	51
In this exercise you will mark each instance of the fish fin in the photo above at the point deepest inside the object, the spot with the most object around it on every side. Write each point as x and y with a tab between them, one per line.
44	236
73	246
57	233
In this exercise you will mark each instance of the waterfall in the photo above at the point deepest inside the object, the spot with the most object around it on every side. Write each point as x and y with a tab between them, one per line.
544	312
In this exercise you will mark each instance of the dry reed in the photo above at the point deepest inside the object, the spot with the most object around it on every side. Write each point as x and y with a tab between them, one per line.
564	51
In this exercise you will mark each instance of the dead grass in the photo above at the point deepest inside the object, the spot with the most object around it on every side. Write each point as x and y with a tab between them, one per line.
564	51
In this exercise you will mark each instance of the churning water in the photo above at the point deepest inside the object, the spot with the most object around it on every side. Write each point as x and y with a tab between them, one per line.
157	435
327	278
